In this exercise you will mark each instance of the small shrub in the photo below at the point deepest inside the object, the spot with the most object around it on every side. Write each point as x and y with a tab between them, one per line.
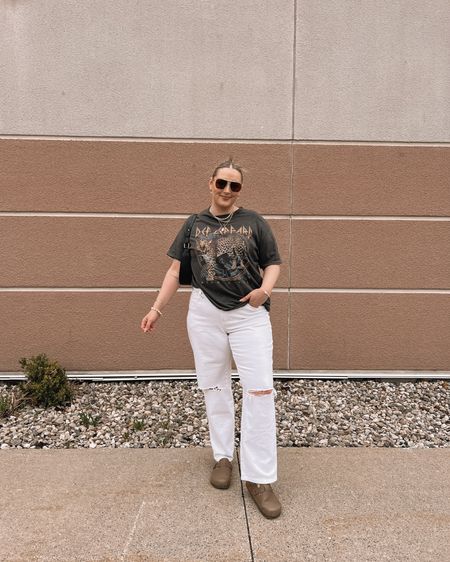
47	383
138	425
10	404
88	419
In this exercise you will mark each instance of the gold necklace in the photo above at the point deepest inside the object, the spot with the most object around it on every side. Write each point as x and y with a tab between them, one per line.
224	221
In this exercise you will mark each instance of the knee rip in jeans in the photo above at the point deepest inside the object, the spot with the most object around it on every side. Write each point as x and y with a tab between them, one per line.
253	392
261	392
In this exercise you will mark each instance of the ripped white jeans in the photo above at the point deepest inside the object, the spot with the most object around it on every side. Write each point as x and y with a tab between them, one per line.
245	334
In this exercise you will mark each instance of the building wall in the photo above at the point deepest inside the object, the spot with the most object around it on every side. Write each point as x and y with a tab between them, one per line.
114	115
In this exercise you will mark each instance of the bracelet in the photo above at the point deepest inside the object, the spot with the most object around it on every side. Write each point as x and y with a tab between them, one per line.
266	292
158	311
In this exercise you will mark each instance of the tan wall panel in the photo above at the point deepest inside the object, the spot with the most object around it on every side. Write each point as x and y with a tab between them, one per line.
85	252
371	180
370	253
101	331
96	251
372	70
279	318
281	229
187	69
139	177
370	331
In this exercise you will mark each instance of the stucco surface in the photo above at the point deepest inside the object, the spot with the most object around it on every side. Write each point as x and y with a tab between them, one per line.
152	69
137	176
372	331
376	254
361	179
98	251
100	330
363	71
373	70
134	505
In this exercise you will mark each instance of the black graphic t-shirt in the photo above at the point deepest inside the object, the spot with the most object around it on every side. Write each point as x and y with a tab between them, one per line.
226	260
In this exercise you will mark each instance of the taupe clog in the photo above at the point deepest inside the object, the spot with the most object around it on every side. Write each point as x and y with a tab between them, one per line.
264	497
221	474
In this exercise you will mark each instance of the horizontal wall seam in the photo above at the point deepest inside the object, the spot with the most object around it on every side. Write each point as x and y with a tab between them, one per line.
115	376
186	290
226	140
184	216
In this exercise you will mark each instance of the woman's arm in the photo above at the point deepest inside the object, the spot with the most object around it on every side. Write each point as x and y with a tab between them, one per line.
169	287
258	296
270	277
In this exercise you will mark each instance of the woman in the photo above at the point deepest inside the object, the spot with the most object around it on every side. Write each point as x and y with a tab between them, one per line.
229	316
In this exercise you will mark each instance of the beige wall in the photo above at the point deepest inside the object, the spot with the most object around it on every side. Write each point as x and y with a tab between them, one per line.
172	68
113	117
371	70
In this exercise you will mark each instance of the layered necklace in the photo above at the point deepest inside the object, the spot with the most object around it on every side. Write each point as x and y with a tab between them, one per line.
224	221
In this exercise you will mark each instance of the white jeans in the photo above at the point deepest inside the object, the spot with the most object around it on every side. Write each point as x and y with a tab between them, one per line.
246	334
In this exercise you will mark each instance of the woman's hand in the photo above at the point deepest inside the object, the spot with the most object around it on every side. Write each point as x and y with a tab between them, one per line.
149	321
168	289
255	298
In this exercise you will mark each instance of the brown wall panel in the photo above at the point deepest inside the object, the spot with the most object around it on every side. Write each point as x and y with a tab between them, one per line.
370	254
371	180
281	229
96	251
279	318
136	176
370	331
100	331
85	252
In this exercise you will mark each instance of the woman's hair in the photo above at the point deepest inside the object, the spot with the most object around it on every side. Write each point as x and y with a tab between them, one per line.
230	163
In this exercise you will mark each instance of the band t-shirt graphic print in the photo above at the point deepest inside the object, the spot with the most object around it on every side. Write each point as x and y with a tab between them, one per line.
222	252
227	259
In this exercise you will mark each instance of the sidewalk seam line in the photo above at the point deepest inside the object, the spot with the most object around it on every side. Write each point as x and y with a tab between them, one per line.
131	533
245	507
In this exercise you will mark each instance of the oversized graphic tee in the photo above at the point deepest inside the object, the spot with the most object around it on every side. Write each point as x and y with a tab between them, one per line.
226	260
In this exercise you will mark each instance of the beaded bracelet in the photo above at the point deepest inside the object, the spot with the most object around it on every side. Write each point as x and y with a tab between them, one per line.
158	311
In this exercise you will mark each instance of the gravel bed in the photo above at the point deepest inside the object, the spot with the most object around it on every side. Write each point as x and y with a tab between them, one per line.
310	413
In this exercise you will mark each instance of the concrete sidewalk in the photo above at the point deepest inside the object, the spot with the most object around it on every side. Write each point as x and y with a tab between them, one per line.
339	504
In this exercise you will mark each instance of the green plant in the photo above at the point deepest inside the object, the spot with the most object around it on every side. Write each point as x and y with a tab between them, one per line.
47	383
8	405
138	425
88	419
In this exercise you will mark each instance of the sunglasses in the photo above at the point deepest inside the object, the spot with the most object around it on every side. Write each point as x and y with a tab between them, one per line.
222	184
